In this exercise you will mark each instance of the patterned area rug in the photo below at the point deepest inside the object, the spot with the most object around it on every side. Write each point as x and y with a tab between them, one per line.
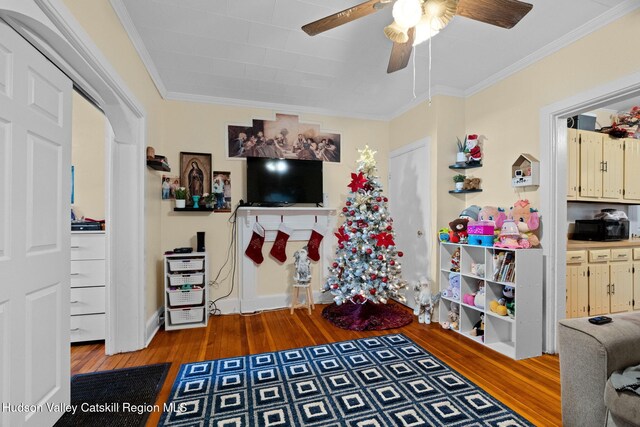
378	381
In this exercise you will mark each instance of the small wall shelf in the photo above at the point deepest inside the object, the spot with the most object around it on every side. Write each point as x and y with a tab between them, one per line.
465	166
190	209
158	165
478	190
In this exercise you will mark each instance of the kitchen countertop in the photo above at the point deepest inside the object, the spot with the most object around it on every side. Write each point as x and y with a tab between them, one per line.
588	244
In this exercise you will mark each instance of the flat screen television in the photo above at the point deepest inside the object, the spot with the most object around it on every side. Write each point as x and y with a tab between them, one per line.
281	182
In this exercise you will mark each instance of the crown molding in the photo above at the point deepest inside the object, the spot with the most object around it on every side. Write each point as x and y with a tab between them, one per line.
244	103
595	24
123	15
435	91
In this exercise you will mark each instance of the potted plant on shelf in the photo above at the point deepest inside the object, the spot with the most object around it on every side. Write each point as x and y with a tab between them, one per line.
181	197
461	156
459	180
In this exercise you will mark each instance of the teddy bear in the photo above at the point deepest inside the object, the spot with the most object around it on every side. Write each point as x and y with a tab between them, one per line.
453	290
478	328
453	316
458	233
471	183
455	261
425	301
505	305
528	221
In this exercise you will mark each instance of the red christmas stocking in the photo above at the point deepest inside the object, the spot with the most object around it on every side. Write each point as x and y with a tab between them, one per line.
278	251
254	249
317	234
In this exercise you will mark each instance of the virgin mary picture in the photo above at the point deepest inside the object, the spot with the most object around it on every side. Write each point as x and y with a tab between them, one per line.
195	173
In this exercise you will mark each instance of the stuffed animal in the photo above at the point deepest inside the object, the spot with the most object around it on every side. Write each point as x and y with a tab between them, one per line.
478	328
471	183
453	316
480	298
455	261
505	305
469	298
528	221
471	213
472	149
424	301
453	290
458	233
509	236
477	269
493	213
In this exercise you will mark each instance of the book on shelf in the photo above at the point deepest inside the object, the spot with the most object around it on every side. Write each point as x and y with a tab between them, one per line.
504	267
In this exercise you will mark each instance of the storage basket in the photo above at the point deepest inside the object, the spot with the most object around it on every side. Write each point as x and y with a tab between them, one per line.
191	264
186	315
190	297
186	279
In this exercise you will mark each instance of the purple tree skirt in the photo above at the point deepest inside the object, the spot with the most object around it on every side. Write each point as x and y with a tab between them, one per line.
367	317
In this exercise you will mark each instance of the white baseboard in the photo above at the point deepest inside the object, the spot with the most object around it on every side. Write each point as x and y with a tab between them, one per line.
265	302
153	326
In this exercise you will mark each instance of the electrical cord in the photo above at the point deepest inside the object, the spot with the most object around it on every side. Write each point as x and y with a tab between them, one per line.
231	255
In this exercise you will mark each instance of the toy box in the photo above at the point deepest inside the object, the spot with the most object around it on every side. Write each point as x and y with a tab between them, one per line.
482	228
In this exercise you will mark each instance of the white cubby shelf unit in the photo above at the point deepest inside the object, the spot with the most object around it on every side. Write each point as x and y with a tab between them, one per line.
518	337
186	308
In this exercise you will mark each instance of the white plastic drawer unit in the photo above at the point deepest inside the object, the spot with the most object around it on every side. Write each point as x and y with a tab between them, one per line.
87	246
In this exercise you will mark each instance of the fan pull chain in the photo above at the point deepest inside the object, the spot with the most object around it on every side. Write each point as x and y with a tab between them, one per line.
430	37
414	74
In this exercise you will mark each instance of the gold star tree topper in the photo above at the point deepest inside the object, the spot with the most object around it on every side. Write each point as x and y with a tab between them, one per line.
366	160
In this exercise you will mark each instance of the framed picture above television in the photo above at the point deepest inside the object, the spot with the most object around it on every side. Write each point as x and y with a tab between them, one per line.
285	137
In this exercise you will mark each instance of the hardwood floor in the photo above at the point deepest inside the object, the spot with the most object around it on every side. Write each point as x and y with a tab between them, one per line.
530	387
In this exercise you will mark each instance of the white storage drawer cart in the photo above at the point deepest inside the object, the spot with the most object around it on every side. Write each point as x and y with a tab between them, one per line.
185	291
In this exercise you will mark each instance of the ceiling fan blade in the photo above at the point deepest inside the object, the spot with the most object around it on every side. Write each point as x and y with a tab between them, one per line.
401	52
347	15
502	13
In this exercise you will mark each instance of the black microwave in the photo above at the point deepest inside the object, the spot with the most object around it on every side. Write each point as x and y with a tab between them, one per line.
601	229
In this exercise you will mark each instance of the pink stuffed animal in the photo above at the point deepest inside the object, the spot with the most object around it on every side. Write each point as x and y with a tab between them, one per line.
528	221
495	214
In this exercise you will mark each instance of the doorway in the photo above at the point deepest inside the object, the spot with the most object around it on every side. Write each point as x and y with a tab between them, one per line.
53	31
553	185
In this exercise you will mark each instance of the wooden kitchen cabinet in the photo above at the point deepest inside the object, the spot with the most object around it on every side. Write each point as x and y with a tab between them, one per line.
577	291
598	275
621	286
597	165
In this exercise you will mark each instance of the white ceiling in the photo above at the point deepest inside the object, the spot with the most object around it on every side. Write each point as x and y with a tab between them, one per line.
253	52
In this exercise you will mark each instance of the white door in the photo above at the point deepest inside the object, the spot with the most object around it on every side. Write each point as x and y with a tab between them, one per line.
410	209
35	182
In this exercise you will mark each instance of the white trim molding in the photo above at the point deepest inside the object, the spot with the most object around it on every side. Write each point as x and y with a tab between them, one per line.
553	149
52	29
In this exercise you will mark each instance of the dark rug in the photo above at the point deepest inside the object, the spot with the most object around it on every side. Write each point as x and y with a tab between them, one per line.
367	316
122	397
378	381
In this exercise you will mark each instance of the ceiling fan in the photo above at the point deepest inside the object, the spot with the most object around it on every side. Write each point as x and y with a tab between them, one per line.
415	21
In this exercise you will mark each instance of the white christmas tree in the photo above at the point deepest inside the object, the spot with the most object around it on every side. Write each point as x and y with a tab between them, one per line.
366	267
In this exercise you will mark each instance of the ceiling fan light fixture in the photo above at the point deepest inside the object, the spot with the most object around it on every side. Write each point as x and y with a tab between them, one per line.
439	12
396	33
407	13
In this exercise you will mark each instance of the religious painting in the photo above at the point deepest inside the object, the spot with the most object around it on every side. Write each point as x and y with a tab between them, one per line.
285	137
195	174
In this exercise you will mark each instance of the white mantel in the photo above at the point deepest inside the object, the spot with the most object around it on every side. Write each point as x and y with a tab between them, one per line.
300	220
